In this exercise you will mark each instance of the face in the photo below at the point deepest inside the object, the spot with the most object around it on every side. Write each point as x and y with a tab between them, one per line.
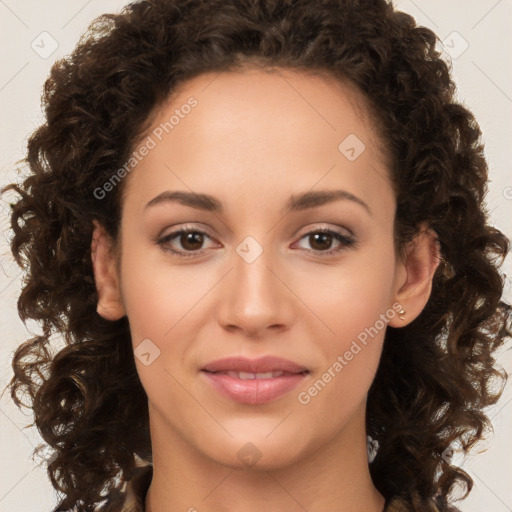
291	256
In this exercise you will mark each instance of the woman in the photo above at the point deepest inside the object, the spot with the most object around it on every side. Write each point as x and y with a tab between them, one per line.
260	227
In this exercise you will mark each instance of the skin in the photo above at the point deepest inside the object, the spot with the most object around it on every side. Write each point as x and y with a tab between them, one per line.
255	139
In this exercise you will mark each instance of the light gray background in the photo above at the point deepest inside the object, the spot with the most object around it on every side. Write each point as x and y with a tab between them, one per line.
477	36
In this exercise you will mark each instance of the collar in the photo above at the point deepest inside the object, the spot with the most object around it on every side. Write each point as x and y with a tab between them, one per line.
137	488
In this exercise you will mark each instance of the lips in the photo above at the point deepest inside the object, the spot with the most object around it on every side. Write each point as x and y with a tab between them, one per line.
250	375
254	381
261	365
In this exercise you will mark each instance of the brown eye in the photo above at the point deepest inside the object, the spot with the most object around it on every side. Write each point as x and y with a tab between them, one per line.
321	241
189	242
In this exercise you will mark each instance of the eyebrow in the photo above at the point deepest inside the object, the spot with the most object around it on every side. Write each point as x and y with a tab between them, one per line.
300	202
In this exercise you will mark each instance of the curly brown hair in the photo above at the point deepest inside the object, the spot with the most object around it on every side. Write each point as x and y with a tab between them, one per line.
436	375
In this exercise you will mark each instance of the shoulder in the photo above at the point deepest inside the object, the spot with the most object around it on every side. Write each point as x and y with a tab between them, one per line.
399	505
132	495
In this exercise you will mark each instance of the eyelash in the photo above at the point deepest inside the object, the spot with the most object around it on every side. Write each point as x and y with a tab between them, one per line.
346	242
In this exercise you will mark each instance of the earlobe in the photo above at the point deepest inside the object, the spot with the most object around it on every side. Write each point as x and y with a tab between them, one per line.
422	259
110	305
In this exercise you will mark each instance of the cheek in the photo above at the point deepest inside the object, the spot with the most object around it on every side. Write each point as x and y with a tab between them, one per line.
350	354
351	296
167	304
156	293
352	306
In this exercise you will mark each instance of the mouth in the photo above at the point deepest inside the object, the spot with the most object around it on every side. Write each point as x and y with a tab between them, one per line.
254	381
261	365
259	375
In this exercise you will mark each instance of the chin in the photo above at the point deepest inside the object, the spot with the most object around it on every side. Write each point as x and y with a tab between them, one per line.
257	453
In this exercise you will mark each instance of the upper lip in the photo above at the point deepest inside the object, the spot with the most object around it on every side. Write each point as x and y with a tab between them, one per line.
259	365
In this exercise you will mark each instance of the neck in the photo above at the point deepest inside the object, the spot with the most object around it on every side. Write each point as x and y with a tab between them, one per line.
333	477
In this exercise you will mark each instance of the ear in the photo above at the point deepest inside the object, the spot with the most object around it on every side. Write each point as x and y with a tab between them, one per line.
110	305
415	275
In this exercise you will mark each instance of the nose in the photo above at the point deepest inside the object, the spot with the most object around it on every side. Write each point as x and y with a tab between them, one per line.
256	297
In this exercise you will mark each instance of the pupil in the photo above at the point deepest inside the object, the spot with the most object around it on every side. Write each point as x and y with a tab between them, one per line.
322	236
189	240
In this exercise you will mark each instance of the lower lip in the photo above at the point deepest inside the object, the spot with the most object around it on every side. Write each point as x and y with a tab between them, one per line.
253	391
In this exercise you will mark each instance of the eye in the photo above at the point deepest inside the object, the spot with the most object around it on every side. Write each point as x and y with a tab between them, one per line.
190	240
321	241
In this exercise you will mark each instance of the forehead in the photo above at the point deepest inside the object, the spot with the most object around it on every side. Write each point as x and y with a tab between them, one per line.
260	129
271	101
